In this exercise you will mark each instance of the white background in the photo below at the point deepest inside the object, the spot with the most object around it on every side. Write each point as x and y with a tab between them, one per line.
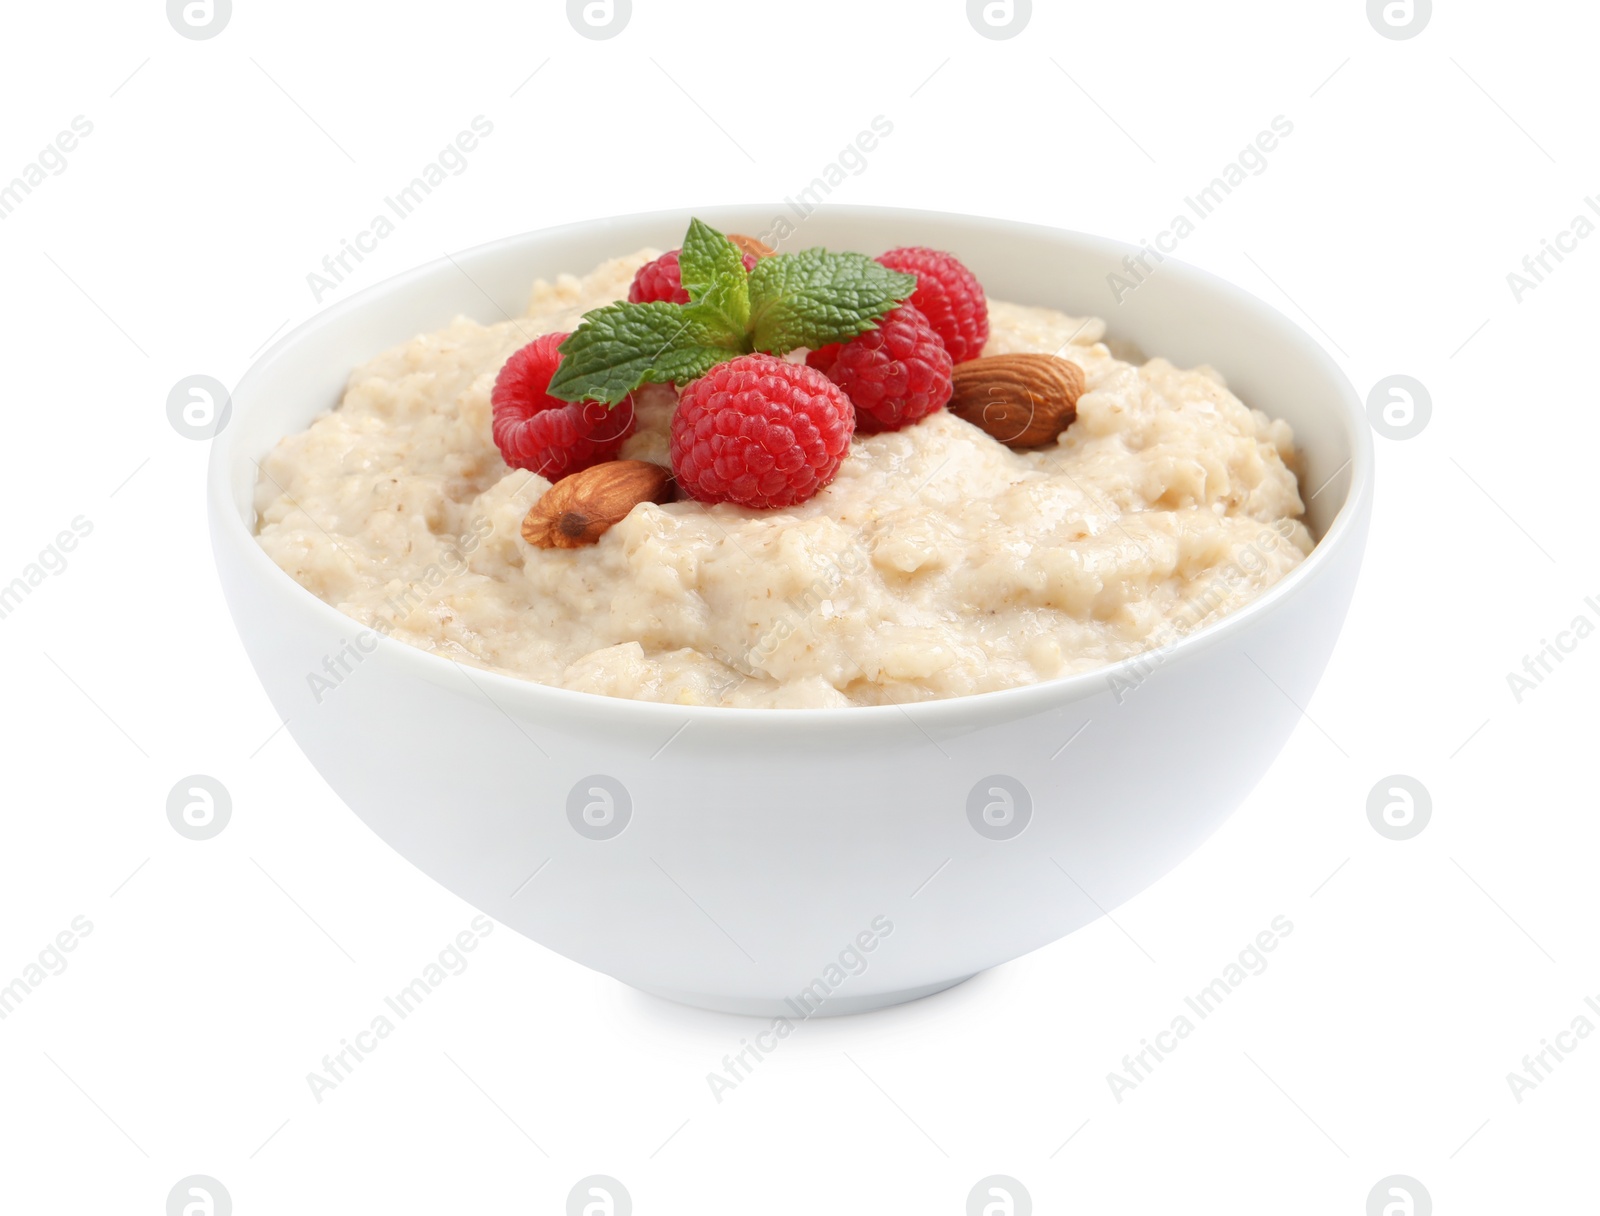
218	974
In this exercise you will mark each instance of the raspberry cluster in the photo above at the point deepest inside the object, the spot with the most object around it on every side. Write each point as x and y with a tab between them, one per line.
534	430
759	431
895	375
948	295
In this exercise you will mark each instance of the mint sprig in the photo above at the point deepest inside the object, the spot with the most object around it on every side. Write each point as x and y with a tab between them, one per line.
621	346
713	273
804	299
814	297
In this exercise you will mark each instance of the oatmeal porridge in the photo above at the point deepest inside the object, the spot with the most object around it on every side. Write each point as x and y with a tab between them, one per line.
936	562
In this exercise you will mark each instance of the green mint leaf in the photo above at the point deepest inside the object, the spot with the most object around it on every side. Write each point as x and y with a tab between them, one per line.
713	274
814	297
806	299
620	346
705	257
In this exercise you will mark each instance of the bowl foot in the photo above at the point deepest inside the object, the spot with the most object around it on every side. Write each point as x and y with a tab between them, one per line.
796	1009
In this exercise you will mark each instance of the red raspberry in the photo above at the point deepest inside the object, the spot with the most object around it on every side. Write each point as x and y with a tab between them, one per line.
662	280
894	375
534	430
948	296
760	432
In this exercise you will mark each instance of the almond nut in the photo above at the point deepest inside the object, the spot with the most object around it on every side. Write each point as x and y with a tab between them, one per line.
1022	400
749	244
579	508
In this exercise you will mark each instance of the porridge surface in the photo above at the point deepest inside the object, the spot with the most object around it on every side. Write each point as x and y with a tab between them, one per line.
938	563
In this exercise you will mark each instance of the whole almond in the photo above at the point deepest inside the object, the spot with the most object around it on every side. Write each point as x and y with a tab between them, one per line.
579	508
1022	400
749	244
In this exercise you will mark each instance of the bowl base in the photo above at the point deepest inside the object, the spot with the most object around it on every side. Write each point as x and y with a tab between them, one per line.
794	1010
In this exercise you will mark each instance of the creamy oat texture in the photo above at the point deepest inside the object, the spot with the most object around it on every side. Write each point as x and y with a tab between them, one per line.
938	563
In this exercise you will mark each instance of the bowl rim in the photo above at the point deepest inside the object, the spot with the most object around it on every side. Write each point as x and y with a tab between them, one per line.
513	693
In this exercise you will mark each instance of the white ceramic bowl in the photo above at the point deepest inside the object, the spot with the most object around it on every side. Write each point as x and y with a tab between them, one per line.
779	861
